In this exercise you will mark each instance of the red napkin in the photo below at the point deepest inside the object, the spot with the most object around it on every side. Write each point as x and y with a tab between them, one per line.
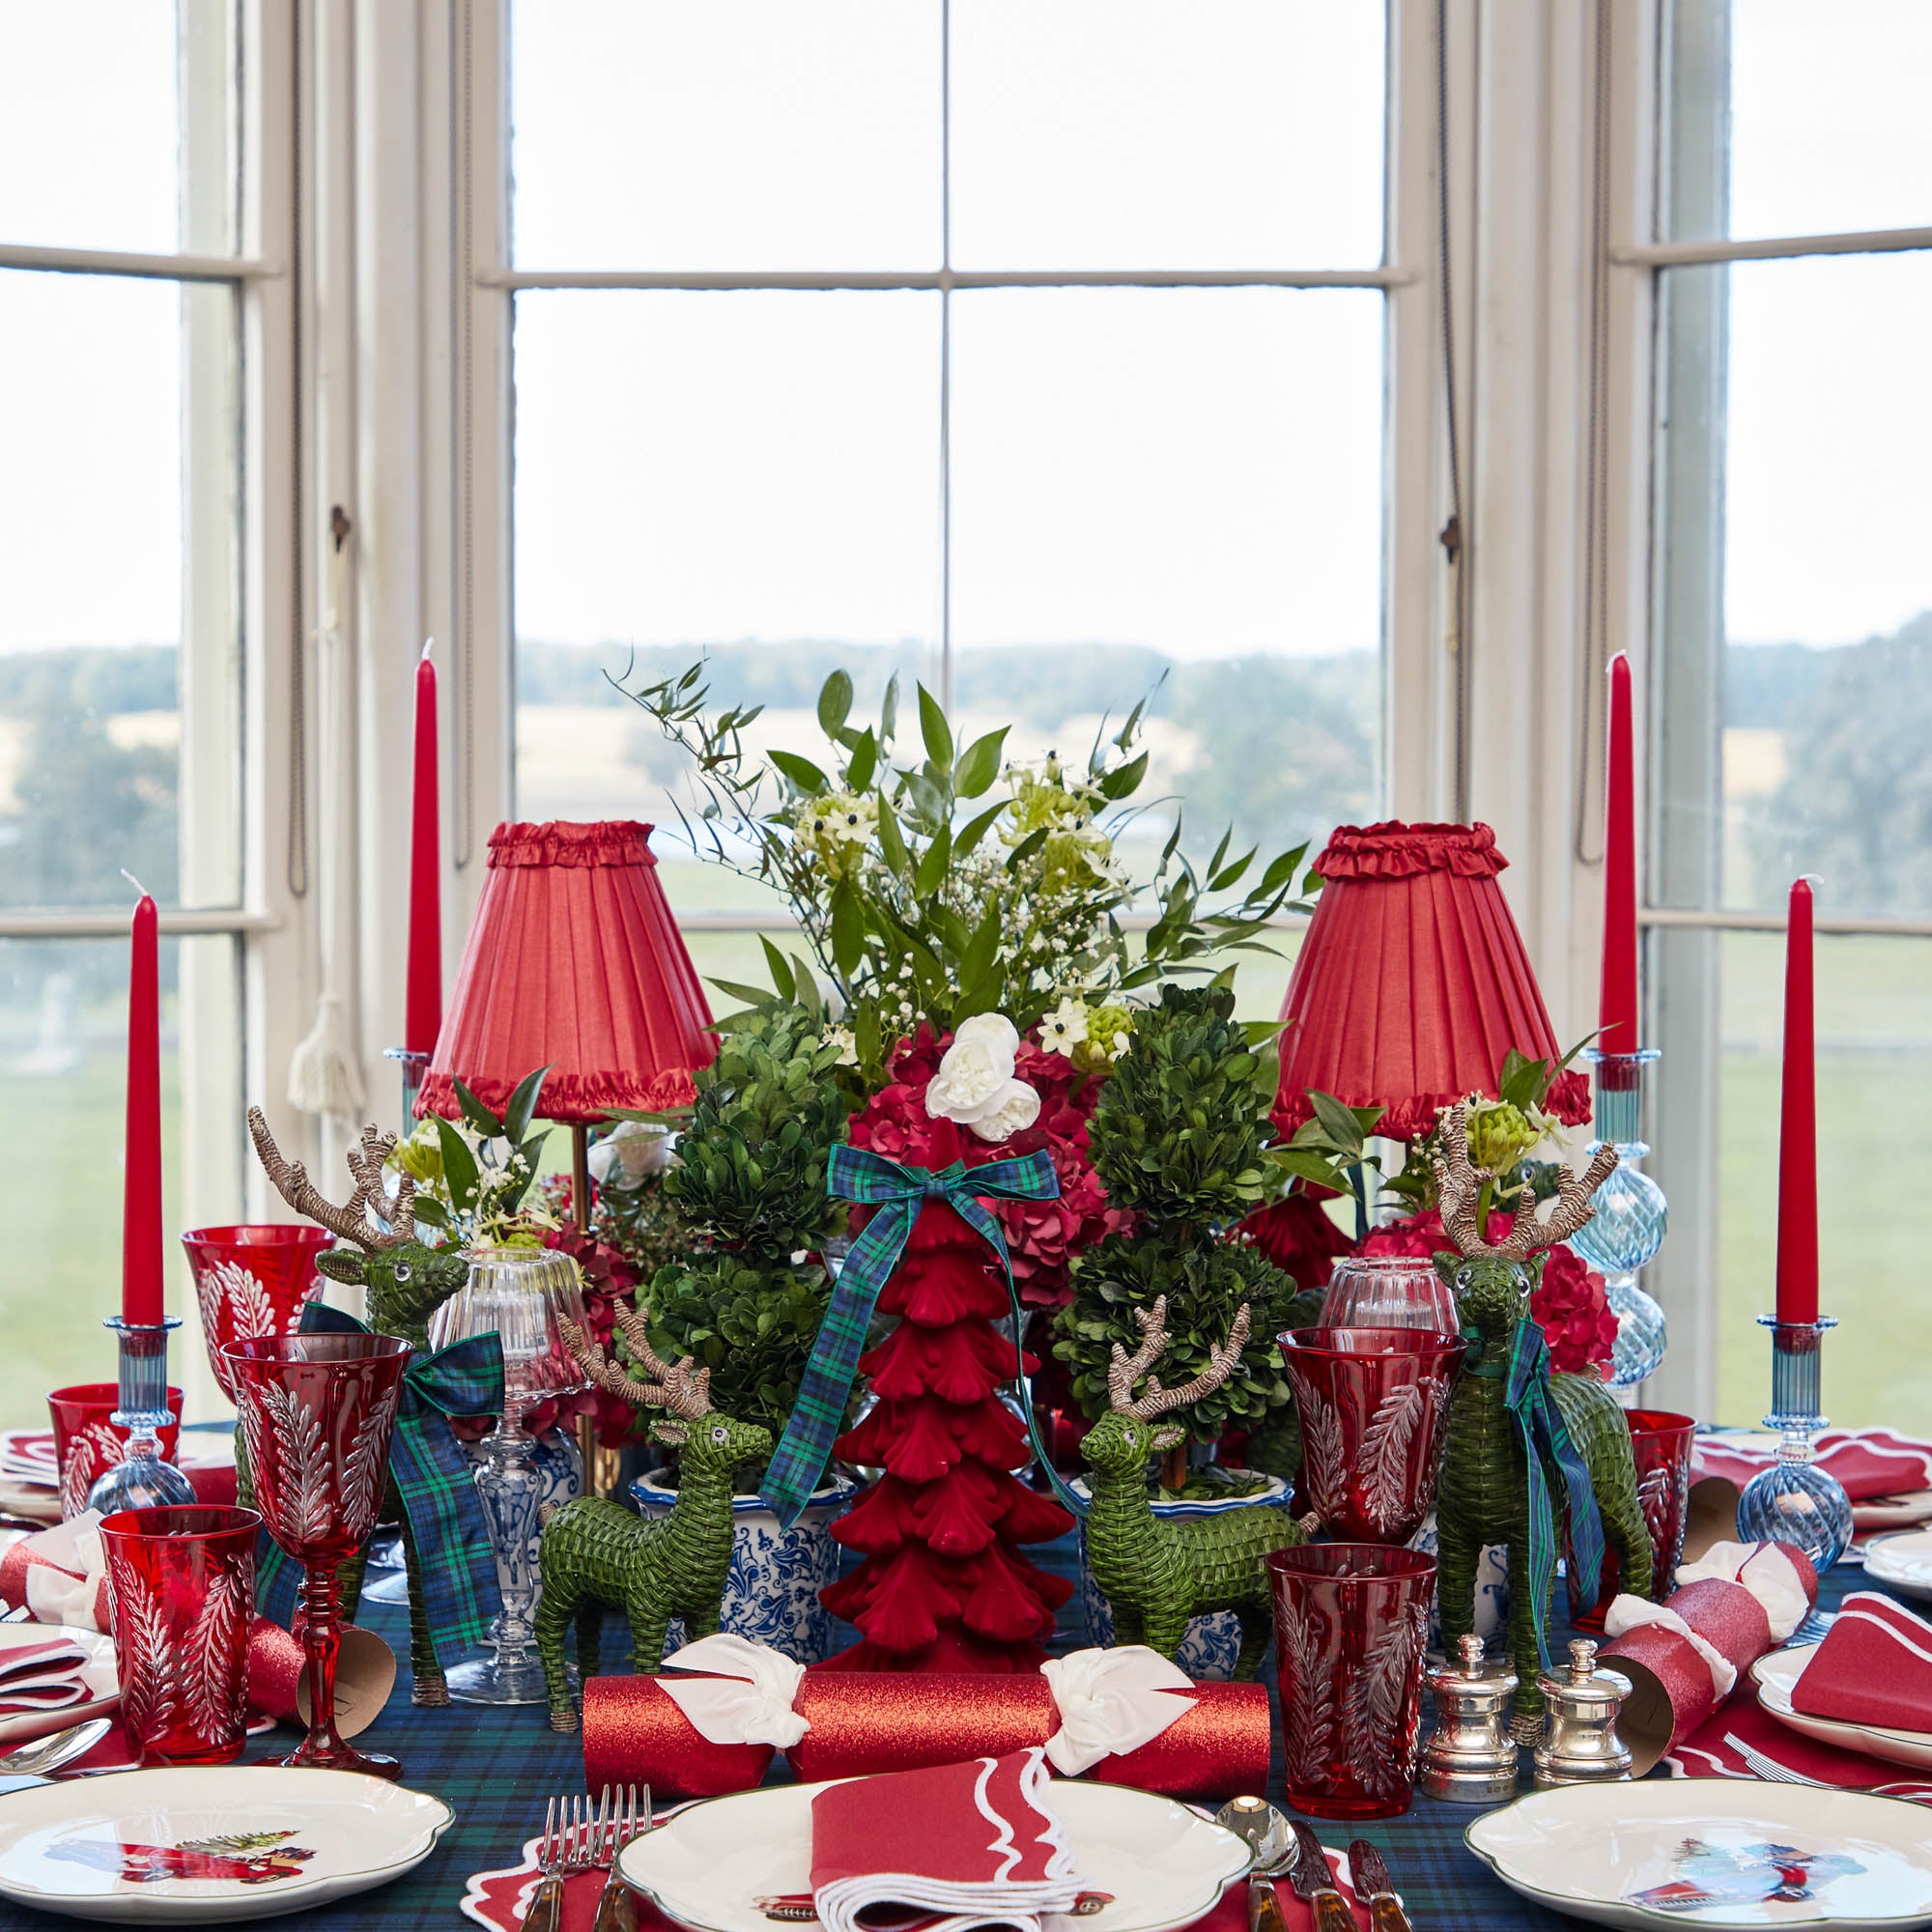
43	1676
1870	1462
27	1456
973	1843
1708	1752
1874	1667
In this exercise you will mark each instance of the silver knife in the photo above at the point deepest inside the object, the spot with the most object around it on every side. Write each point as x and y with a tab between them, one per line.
1315	1883
1372	1886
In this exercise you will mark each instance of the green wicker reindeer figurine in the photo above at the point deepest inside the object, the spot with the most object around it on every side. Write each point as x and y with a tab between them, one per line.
596	1554
1524	1448
405	1282
1157	1576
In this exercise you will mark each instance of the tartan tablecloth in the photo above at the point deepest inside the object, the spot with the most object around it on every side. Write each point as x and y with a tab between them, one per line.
498	1767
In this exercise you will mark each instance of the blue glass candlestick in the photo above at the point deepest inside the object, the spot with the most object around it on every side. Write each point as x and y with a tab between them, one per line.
1794	1501
141	1479
1627	1228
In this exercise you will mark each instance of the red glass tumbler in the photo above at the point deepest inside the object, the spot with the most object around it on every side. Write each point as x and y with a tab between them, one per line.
251	1278
1371	1401
180	1581
88	1441
1660	1442
317	1412
1350	1630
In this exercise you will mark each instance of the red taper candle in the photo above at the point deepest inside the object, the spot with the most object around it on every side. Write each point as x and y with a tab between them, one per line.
141	1263
1798	1126
422	1011
1617	1010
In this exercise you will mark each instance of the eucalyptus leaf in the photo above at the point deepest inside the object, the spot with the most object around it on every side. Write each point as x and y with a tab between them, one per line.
783	982
934	730
835	703
980	764
521	1106
474	1111
459	1166
802	772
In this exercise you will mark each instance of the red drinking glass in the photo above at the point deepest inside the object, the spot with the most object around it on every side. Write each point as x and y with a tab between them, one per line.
251	1278
1660	1443
88	1441
180	1583
317	1412
1371	1401
1350	1630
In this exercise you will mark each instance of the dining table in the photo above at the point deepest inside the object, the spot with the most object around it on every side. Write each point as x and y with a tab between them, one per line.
499	1766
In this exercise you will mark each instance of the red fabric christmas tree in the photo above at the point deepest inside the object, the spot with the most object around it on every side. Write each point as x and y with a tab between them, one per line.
943	1586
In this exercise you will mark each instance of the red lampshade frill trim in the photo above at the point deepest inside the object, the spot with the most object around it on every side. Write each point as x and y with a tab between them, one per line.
1392	850
563	842
565	1096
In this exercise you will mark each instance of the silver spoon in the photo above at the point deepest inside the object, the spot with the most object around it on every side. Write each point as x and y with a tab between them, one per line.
48	1754
1270	1841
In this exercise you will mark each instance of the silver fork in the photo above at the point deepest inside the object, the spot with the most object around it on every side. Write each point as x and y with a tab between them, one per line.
618	1908
546	1907
1773	1772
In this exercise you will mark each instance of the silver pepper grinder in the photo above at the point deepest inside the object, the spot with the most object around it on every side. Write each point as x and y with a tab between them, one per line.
1579	1744
1470	1759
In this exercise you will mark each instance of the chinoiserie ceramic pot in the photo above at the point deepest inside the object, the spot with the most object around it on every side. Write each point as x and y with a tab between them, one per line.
771	1592
1214	1642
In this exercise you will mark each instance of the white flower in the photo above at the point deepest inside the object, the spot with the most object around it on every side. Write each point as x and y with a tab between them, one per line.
848	1047
1122	1042
975	1084
1065	1028
627	1155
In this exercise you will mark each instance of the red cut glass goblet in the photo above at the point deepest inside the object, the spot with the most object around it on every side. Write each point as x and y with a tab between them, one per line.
180	1581
317	1412
1350	1630
1660	1445
1371	1402
251	1278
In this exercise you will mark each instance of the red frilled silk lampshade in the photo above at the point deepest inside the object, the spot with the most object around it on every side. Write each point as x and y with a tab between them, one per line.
1412	983
574	962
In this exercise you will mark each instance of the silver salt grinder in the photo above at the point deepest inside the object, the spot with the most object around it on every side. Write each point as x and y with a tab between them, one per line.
1470	1759
1579	1744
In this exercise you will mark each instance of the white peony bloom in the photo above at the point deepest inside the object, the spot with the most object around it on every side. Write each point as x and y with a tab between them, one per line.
1017	1105
629	1155
1065	1028
975	1084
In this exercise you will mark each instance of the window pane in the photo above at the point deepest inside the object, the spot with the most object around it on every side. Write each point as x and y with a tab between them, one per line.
725	134
119	501
1874	1093
1181	485
752	475
114	132
64	1044
1827	123
1142	134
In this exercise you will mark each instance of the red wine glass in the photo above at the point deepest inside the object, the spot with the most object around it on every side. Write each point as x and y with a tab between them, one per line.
317	1412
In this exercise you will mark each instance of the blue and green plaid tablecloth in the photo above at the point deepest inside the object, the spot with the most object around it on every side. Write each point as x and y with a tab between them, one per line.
496	1767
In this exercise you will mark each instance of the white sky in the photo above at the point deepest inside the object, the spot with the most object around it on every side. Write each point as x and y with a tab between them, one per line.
1198	471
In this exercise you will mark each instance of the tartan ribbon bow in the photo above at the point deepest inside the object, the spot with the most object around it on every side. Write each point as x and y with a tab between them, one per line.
1545	1439
443	1519
899	1191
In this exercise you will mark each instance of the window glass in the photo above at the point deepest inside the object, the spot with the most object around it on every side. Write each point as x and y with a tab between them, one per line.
118	750
725	134
64	1047
1142	133
1874	1026
1825	129
1818	400
93	153
1176	494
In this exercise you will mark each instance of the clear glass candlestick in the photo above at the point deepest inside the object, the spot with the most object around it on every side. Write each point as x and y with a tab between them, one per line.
142	1479
412	1065
1794	1501
518	1293
1627	1228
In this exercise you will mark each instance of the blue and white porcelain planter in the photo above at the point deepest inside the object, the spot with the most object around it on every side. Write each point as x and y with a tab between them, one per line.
1212	1643
771	1595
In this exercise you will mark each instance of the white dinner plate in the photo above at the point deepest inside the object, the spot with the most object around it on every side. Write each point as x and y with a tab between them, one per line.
1775	1676
1715	1852
193	1846
32	1500
16	1727
1903	1560
1164	1864
1893	1512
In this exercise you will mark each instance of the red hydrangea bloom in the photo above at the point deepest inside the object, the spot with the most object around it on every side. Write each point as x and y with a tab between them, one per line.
1570	1301
1297	1237
605	1274
1042	1237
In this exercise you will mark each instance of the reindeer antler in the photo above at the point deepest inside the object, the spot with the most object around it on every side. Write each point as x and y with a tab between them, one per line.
352	1220
1126	1370
1458	1183
678	1390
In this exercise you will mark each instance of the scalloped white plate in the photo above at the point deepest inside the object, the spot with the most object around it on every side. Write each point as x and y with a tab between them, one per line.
1776	1674
1164	1864
1904	1561
1715	1852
